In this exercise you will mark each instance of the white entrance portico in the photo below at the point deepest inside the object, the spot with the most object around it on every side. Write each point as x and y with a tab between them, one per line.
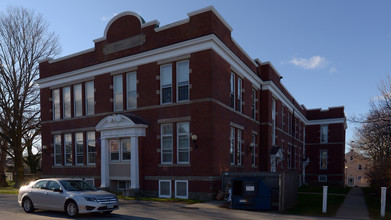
121	126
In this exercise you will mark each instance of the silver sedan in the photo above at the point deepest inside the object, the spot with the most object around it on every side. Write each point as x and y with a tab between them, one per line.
73	196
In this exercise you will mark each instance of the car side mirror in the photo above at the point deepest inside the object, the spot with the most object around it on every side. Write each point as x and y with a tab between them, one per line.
57	190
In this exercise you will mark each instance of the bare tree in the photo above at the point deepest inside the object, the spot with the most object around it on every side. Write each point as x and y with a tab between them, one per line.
374	136
24	39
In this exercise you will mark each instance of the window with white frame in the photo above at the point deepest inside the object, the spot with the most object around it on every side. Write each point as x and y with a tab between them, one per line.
89	94
131	90
254	150
56	104
77	100
239	152
79	144
182	69
324	133
114	150
68	149
273	121
232	94
57	149
66	97
165	188
90	181
232	145
166	83
118	93
323	159
254	104
167	143
322	178
91	148
183	138
282	118
181	189
289	156
239	95
123	184
125	150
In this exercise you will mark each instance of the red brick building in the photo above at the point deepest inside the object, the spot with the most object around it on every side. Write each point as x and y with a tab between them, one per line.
166	110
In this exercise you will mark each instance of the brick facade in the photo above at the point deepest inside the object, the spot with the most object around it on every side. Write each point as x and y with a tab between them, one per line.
215	92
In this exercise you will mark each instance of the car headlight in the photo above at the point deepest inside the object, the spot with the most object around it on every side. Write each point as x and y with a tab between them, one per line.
90	199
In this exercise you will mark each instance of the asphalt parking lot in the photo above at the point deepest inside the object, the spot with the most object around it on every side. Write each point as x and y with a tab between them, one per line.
146	210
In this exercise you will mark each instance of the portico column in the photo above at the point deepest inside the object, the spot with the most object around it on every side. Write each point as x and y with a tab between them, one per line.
104	166
134	165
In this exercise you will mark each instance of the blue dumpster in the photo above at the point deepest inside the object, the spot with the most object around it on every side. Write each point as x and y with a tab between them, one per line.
250	193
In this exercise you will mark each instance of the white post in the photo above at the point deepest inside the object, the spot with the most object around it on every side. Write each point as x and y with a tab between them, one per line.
383	201
104	166
134	164
324	208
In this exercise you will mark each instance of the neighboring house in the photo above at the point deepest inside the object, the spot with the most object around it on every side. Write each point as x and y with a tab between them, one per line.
355	169
167	110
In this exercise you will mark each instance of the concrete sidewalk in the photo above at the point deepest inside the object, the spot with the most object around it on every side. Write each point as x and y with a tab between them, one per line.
353	207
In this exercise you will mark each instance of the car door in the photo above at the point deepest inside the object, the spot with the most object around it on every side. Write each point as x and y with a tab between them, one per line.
55	199
37	194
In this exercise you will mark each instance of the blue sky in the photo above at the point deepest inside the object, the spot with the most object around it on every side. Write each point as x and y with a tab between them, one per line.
330	53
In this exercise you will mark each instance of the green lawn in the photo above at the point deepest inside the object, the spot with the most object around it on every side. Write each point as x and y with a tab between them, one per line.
310	201
9	190
373	203
188	201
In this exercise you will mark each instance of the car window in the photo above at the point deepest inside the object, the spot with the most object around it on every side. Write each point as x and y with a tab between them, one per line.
53	185
40	184
77	185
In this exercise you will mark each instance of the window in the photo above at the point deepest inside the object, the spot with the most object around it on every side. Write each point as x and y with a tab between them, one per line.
53	185
57	149
239	148
40	184
323	159
166	83
123	184
66	95
253	151
232	90
322	178
323	133
125	147
79	148
182	69
239	107
273	121
90	181
166	143
359	167
91	149
90	102
78	100
114	150
183	138
131	89
56	103
165	188
253	104
290	156
351	158
118	93
283	118
232	146
68	149
181	189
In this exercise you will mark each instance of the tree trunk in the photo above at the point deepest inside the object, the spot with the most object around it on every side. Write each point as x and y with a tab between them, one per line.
3	158
18	160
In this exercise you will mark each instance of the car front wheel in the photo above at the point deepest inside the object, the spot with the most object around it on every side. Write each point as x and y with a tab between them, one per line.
28	205
71	209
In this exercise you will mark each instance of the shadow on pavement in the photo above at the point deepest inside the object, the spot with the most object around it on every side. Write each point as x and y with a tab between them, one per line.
62	215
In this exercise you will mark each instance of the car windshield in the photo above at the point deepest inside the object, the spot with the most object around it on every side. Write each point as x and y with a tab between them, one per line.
77	185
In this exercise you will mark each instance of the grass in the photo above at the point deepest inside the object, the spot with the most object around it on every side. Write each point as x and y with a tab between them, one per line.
9	190
373	203
310	201
187	201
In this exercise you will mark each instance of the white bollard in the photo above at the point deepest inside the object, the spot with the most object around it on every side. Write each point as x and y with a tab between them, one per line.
324	208
383	201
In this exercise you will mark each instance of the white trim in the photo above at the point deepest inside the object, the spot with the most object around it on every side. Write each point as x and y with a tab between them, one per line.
327	121
165	196
187	189
174	50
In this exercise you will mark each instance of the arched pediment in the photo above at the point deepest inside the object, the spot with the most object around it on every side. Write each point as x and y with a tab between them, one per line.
119	125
